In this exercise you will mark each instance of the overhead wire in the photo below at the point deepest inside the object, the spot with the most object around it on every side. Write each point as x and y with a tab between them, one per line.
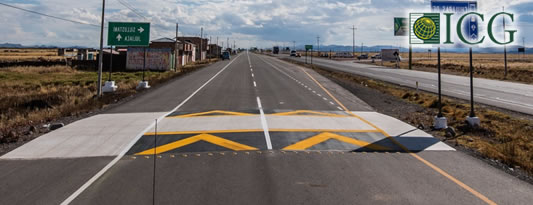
49	16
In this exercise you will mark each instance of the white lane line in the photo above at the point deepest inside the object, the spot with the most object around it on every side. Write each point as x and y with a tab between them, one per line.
314	91
319	95
264	124
325	98
339	108
255	85
121	154
251	70
331	103
252	75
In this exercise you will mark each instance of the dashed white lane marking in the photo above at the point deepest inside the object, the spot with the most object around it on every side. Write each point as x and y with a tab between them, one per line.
297	81
251	70
264	124
255	85
252	75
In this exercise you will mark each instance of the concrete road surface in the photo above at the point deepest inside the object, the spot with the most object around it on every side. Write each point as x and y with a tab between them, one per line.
253	130
507	95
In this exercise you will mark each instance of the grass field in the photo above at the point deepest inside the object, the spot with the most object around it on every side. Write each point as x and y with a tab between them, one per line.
37	95
28	54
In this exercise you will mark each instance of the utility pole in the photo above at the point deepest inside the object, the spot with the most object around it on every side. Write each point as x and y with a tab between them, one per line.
201	41
318	45
504	48
353	45
101	54
177	50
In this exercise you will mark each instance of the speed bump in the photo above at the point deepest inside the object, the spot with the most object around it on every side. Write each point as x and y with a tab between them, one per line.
317	139
201	137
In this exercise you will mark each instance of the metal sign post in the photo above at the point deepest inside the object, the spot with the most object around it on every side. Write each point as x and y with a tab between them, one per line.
472	119
100	61
440	121
130	34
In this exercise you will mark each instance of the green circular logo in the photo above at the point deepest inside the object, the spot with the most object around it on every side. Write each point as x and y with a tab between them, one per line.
425	28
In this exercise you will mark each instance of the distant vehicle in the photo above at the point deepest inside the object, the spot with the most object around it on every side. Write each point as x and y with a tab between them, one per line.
226	55
293	53
298	55
275	50
377	56
362	56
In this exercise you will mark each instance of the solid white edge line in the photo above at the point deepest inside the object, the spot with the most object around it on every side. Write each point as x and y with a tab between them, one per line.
264	124
118	157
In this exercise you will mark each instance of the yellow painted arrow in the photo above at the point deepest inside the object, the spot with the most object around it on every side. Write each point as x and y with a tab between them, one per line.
205	137
210	113
317	139
308	112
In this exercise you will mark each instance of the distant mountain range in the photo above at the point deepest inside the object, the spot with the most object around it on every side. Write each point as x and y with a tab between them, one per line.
369	49
14	45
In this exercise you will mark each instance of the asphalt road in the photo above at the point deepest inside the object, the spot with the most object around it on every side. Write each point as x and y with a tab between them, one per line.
254	130
507	95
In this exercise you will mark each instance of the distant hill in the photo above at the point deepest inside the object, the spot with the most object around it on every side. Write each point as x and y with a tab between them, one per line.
14	45
11	45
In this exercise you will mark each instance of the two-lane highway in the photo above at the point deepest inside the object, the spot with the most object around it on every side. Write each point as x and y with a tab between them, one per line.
253	130
507	95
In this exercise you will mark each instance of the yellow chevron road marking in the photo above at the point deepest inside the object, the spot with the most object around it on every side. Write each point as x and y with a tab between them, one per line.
317	139
213	113
205	137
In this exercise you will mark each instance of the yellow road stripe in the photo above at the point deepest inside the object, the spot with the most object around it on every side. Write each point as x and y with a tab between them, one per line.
296	112
317	139
205	137
254	130
429	164
207	114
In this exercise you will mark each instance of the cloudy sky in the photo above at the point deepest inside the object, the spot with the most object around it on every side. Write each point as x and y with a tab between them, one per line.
260	23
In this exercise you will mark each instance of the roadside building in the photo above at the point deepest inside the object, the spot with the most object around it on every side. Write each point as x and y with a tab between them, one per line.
201	52
214	51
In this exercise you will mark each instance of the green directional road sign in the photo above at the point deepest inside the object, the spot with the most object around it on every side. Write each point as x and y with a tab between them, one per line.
128	34
308	47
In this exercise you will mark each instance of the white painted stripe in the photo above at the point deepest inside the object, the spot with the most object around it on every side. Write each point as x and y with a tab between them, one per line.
325	98
339	108
319	95
331	103
255	85
252	75
264	124
118	157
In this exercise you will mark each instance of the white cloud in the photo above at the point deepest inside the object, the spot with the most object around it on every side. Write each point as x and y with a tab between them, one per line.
253	23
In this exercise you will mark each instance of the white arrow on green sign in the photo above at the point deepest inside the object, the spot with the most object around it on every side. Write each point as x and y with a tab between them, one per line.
128	34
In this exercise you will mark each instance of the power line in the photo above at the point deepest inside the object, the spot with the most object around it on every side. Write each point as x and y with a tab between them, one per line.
131	8
50	16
